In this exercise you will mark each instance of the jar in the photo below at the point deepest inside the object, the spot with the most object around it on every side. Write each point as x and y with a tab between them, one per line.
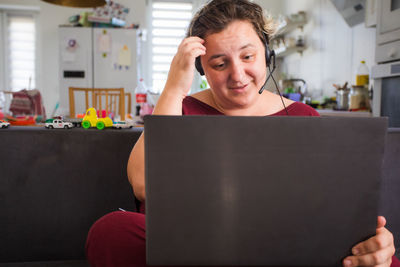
358	98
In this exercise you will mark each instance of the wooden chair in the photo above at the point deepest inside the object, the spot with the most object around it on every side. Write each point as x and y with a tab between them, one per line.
112	98
112	104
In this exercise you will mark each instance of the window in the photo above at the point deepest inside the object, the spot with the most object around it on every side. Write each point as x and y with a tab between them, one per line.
169	22
18	42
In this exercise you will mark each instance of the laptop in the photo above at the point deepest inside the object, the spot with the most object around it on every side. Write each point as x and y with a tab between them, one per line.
260	191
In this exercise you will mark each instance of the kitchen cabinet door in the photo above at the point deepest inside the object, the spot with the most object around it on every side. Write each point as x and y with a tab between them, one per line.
389	21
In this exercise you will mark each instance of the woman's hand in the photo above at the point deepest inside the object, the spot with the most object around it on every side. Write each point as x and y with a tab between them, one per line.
376	251
181	72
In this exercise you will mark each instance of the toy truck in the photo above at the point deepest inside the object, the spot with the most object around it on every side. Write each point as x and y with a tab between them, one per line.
91	120
57	123
4	124
75	121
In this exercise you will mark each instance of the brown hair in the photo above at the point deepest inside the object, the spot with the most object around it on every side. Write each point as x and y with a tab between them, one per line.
218	14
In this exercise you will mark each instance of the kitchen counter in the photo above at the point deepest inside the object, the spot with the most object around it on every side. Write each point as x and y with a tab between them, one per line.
340	113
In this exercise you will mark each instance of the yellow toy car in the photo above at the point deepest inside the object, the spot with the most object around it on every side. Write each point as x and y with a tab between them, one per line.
91	120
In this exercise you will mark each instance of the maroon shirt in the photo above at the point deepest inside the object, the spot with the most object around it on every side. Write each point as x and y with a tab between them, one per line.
119	238
193	106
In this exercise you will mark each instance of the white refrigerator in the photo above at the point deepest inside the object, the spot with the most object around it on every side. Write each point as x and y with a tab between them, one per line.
96	58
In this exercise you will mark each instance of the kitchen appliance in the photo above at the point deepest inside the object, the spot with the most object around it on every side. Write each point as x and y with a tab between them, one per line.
388	30
96	58
386	94
386	75
353	11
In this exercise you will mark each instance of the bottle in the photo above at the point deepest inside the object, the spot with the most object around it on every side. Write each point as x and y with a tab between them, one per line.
141	95
362	76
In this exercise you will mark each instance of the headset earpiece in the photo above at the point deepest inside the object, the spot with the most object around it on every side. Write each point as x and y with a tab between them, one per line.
269	54
198	66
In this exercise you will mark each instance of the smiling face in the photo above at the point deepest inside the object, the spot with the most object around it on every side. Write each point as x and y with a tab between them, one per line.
235	66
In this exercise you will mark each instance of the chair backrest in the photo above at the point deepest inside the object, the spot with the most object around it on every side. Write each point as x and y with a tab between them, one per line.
108	99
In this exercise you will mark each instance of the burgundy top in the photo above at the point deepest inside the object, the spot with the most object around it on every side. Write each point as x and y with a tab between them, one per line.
193	106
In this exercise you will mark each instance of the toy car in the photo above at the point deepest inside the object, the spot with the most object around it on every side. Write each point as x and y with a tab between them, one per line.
57	123
122	124
4	124
91	120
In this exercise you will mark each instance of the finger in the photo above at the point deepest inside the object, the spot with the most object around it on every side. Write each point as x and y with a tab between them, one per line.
386	264
191	40
381	222
194	39
195	47
381	240
189	48
372	259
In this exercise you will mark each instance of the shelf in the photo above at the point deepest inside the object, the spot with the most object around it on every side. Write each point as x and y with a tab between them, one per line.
284	45
290	26
282	52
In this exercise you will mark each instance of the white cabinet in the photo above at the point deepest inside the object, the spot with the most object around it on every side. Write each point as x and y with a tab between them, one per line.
388	21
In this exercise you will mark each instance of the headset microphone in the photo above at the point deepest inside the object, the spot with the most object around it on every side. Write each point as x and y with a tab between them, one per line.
271	56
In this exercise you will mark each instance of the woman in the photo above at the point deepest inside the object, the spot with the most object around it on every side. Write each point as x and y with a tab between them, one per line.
229	37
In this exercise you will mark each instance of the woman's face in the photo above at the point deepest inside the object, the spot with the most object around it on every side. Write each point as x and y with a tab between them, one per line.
234	65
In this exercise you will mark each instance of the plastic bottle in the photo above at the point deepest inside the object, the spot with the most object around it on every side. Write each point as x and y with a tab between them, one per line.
362	76
141	95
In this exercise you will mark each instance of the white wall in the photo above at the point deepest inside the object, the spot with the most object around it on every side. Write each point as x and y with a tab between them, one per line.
273	7
335	50
50	16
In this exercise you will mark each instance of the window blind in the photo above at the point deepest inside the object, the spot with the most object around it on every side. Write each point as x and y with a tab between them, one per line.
21	52
170	20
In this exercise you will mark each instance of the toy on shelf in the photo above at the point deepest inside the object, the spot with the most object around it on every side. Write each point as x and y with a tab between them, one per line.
91	120
112	14
75	121
22	120
4	124
58	124
123	124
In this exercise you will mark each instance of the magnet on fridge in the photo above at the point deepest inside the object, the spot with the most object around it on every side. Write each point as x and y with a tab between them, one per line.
71	43
104	55
104	31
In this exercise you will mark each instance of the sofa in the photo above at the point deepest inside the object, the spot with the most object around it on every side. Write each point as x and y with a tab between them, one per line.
56	183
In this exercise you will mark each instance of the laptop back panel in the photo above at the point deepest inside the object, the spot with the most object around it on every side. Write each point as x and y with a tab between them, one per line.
260	191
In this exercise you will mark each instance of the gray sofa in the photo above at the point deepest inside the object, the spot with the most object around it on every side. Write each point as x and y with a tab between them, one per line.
56	183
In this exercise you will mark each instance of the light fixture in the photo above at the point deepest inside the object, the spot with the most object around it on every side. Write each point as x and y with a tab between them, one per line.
77	3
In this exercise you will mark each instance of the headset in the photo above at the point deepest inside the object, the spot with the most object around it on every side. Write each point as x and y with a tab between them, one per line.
269	59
